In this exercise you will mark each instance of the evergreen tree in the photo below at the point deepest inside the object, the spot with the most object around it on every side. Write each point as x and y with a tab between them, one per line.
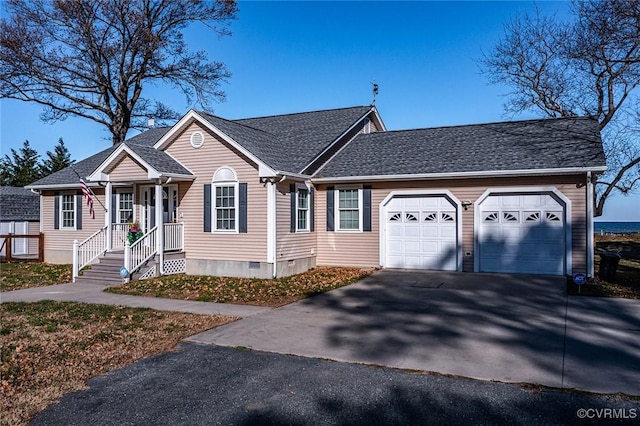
5	172
57	160
22	167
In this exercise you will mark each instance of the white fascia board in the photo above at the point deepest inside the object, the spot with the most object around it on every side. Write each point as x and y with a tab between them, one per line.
263	169
383	128
98	174
62	186
461	175
178	176
299	176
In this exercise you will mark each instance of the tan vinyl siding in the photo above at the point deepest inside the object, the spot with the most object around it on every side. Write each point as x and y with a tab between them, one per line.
290	245
363	248
127	170
62	239
204	162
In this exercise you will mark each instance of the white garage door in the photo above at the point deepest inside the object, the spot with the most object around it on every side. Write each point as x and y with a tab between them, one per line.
421	233
522	234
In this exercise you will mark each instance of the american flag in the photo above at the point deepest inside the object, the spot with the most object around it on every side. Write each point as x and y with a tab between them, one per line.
87	193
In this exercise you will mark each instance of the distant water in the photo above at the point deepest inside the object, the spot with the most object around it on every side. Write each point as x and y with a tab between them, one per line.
616	227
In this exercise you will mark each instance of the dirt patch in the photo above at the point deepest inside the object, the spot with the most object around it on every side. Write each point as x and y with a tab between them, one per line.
627	281
248	291
16	276
51	348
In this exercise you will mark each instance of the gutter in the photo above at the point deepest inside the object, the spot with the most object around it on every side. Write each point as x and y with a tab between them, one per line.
460	175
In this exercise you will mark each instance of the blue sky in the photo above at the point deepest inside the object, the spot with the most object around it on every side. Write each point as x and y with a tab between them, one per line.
298	56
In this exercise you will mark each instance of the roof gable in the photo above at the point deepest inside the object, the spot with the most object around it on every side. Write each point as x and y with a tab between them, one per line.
300	138
520	146
156	163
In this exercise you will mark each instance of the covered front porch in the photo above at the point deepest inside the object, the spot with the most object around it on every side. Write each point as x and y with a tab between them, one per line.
141	193
133	212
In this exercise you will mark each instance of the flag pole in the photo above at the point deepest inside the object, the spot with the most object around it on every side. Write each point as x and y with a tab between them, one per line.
90	190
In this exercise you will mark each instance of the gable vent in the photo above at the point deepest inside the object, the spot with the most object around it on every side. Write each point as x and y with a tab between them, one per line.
197	139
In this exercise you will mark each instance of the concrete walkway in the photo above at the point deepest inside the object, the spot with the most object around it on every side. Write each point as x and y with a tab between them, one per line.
94	293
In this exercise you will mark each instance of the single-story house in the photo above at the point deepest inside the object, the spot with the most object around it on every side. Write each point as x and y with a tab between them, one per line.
273	196
19	215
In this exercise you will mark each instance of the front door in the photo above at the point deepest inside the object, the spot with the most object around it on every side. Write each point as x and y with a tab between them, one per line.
148	206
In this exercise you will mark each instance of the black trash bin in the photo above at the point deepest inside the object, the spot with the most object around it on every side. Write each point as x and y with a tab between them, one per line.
608	265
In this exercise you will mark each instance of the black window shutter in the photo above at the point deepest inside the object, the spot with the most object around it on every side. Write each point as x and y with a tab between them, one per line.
114	209
292	194
207	207
311	211
56	210
366	208
330	209
79	211
242	226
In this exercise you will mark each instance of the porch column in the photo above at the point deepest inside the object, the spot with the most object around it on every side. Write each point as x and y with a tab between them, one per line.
160	224
271	227
108	190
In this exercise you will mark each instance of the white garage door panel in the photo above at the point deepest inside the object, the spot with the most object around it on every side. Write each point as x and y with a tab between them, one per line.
421	233
522	234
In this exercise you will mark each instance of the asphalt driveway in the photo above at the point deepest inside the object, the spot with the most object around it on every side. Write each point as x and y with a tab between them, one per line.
486	326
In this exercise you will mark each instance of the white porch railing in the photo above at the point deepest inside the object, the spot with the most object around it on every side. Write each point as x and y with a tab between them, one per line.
119	233
88	250
136	254
173	236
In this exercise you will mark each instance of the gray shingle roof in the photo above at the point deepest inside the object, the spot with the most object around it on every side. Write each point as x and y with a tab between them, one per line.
85	167
159	160
149	137
290	142
18	204
520	145
69	175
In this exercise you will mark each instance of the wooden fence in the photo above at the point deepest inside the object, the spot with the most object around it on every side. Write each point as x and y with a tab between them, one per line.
7	241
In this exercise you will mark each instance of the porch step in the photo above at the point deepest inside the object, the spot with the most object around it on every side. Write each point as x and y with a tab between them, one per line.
106	271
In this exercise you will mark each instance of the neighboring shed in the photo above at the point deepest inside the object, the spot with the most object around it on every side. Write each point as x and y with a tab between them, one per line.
20	215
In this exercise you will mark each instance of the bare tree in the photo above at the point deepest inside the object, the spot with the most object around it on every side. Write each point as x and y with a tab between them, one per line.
586	66
93	58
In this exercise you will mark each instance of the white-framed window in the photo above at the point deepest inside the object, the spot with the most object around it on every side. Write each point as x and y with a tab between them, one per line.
349	209
68	211
225	207
302	209
225	200
125	207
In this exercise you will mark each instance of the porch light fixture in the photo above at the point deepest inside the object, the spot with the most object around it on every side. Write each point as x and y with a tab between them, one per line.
466	204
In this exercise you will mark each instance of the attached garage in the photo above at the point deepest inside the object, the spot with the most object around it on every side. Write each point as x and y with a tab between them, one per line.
421	231
524	233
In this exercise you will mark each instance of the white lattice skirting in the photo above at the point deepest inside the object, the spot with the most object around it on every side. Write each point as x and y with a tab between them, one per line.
151	272
175	266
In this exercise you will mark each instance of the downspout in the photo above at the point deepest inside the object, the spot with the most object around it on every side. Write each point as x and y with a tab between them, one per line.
590	243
